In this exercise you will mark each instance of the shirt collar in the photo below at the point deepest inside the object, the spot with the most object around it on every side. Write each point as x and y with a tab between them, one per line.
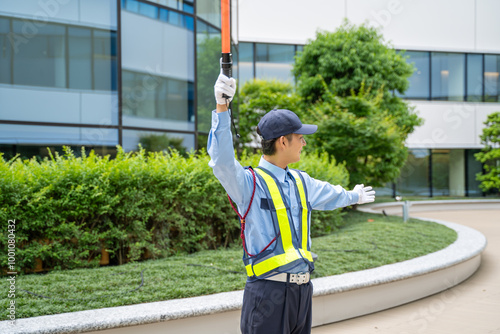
278	172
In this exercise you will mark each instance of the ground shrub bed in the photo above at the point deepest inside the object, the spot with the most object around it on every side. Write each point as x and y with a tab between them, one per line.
70	209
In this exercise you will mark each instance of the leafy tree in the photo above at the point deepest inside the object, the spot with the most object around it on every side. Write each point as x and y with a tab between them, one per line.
348	78
348	57
354	130
346	61
490	154
257	97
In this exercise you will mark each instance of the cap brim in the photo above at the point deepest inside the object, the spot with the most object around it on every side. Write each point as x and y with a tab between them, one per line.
307	129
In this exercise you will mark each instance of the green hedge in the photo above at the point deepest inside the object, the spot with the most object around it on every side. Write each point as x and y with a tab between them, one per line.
68	208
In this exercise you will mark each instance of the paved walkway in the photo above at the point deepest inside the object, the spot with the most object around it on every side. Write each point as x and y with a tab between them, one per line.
472	307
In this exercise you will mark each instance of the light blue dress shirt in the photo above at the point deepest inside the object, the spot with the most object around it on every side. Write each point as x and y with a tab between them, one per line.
238	183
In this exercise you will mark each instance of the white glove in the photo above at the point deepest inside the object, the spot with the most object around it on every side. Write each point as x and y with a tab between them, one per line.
224	89
366	194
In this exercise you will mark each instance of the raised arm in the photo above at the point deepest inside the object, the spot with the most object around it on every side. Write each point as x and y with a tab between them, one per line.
227	169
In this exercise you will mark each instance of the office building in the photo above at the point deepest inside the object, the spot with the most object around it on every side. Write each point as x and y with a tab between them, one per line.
102	73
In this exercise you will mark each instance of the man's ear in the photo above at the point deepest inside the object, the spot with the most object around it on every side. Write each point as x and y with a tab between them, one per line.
287	141
282	141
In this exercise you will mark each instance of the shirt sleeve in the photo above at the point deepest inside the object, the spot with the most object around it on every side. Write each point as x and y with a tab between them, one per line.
233	177
325	196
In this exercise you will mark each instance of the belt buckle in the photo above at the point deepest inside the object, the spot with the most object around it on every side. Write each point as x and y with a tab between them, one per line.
299	279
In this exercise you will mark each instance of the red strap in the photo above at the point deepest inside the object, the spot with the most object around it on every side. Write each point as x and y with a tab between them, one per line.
251	198
242	218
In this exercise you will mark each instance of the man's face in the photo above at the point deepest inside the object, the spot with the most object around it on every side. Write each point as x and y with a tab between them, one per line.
294	147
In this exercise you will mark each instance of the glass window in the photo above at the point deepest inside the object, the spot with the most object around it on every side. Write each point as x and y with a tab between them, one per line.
5	51
274	61
46	60
105	65
474	167
177	19
448	76
42	61
275	53
191	114
132	5
176	101
419	81
456	172
57	135
236	57
148	10
440	172
491	78
148	99
177	4
188	7
188	22
262	52
139	94
157	141
80	58
174	18
209	10
414	178
164	14
208	47
245	70
171	3
474	77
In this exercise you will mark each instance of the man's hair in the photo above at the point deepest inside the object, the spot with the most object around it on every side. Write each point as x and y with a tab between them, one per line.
268	146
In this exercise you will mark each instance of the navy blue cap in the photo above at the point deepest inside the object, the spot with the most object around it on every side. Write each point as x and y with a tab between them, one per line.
281	122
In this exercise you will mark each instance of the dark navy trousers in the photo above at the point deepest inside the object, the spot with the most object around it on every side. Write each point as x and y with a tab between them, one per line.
271	307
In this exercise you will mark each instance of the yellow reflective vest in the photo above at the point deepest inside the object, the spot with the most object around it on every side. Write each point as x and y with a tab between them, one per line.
291	247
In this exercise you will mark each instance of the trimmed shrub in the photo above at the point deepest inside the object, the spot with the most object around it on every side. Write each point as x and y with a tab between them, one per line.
68	209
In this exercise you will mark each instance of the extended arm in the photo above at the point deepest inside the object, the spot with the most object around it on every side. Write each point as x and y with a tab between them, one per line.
325	196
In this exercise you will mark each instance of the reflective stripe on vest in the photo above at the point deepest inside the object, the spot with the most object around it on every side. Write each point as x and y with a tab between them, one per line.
305	209
291	252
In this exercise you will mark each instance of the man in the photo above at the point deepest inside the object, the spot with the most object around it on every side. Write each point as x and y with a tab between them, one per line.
277	243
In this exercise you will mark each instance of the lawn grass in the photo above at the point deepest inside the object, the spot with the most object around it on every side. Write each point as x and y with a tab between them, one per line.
366	241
